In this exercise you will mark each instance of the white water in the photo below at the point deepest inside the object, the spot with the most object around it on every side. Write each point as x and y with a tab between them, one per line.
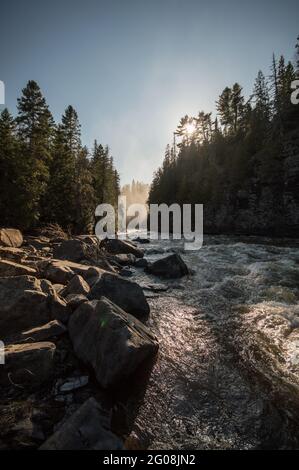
222	331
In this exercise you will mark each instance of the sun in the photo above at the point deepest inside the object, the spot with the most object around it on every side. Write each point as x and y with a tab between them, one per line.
190	128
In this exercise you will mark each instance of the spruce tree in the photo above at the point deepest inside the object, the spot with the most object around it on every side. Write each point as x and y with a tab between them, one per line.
84	194
9	171
35	126
224	108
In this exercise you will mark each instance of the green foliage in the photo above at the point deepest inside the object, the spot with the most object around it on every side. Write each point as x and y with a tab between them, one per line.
241	150
46	176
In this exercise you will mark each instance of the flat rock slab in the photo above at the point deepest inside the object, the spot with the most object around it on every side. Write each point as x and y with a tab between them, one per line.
110	340
10	268
11	237
126	294
84	430
27	364
50	330
11	253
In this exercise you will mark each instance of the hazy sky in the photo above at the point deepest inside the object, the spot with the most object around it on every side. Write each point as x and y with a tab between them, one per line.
133	68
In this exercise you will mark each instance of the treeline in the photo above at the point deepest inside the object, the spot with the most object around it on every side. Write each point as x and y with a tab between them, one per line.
235	163
46	174
136	192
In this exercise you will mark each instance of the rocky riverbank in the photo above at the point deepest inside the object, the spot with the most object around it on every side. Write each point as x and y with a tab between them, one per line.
81	323
73	326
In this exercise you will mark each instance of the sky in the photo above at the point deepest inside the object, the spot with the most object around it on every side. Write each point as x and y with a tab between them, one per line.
133	68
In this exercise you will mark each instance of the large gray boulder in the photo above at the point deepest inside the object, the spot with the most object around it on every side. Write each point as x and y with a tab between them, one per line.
11	237
173	266
126	294
86	429
27	364
111	341
25	305
116	246
74	250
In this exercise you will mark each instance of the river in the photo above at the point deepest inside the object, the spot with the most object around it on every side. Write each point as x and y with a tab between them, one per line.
227	372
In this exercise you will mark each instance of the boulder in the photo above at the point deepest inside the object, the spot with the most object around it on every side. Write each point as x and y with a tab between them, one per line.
126	294
10	268
125	259
56	271
141	263
24	305
111	341
27	364
77	285
62	271
74	250
11	237
74	300
172	266
116	246
86	429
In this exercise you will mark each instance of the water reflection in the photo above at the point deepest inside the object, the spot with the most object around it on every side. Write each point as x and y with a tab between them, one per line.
208	388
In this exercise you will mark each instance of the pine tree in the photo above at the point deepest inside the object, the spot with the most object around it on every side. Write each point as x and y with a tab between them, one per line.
237	106
9	170
224	108
84	194
61	196
72	130
261	96
297	57
35	126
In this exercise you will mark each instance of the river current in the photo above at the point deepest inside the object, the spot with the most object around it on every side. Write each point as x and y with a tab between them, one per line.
227	372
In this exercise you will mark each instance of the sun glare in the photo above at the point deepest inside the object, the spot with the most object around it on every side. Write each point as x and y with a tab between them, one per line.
190	128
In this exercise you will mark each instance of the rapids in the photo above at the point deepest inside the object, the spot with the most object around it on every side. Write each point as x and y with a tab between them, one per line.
227	372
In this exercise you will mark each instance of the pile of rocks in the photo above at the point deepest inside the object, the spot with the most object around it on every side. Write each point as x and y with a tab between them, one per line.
66	313
73	326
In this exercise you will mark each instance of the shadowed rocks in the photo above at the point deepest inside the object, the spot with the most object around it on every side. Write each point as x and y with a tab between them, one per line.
118	247
86	429
126	294
110	340
172	266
